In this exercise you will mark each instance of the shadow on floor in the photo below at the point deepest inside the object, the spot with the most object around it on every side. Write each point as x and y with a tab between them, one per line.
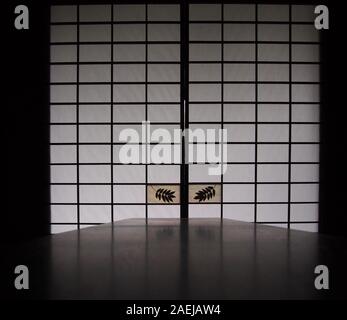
177	259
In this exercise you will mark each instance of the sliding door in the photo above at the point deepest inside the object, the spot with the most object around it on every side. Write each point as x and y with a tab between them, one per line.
115	80
242	79
254	71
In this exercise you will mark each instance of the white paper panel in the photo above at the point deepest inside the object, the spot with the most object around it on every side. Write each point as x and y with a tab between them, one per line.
272	193
63	53
55	228
94	113
129	174
95	193
241	153
63	13
63	154
166	12
95	214
95	33
239	173
305	153
129	194
94	153
204	211
130	12
305	192
241	212
63	113
239	12
63	214
122	212
304	212
90	13
200	173
64	174
309	227
272	173
273	153
273	13
164	174
63	194
164	211
209	12
95	173
238	193
272	212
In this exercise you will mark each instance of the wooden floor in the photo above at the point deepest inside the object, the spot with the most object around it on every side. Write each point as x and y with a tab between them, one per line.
177	259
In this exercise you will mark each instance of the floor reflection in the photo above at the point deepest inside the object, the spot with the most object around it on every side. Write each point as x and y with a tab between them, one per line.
181	259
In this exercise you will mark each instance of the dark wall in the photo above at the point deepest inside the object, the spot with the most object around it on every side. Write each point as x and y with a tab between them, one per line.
25	123
333	173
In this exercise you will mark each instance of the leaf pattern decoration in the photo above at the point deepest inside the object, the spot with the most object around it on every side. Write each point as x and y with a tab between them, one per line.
205	194
165	195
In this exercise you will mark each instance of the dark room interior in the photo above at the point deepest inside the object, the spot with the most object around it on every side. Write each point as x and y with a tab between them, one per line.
175	150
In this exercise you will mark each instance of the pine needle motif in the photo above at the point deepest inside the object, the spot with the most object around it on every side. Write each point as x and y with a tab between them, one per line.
205	194
165	195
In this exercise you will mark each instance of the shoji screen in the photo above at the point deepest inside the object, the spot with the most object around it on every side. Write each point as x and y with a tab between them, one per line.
205	99
112	67
254	70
